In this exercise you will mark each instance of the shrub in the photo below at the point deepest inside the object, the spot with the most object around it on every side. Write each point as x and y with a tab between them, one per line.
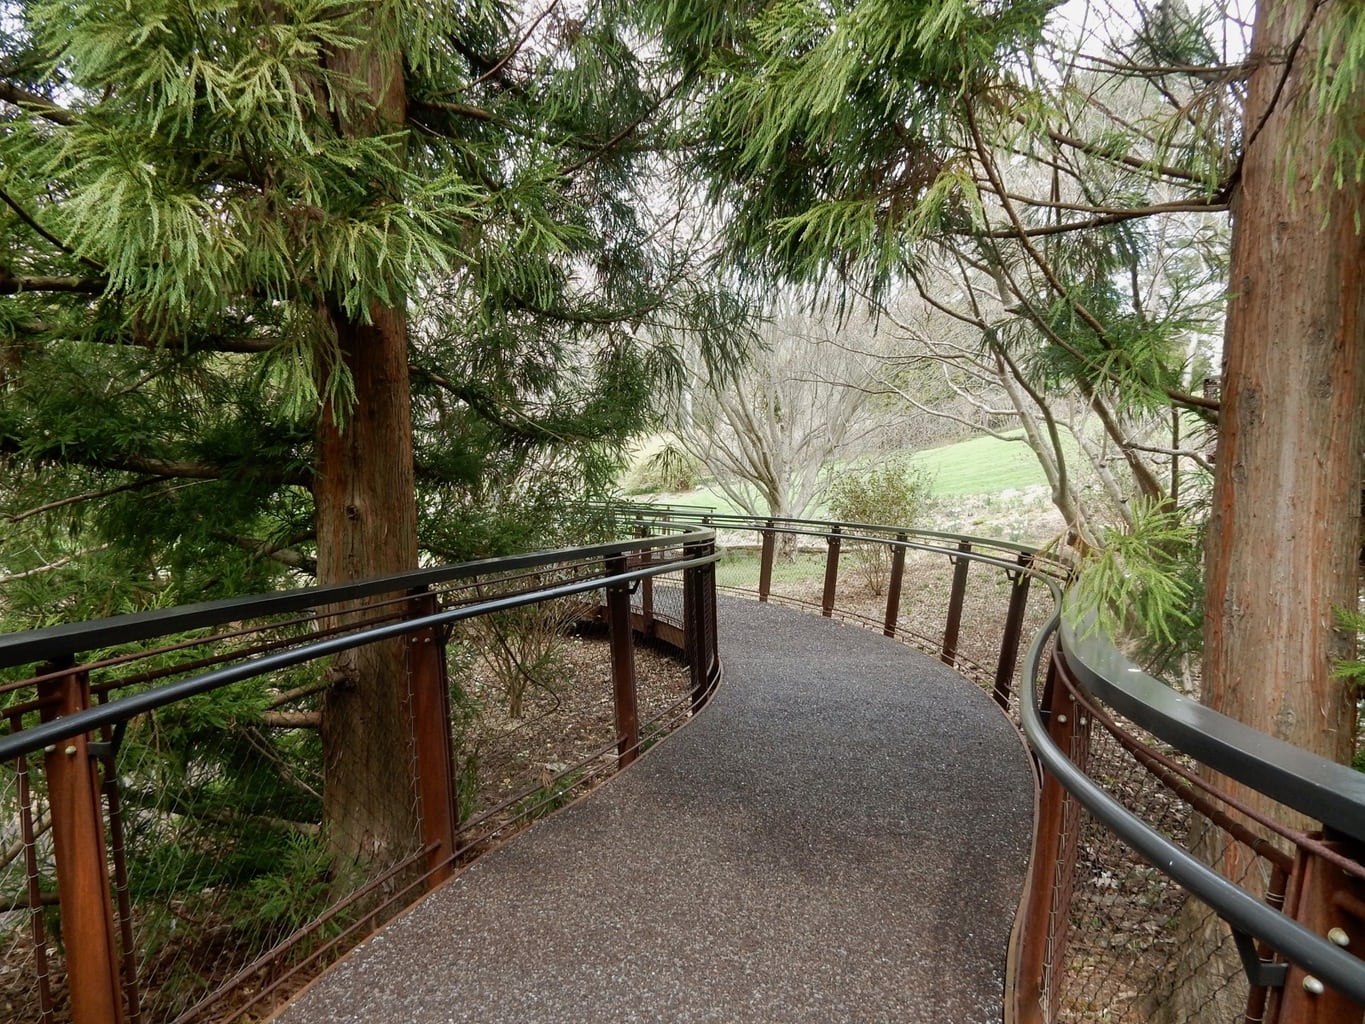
894	494
670	470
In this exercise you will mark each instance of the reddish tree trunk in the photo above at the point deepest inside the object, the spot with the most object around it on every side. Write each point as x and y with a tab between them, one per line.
1283	540
367	526
1284	537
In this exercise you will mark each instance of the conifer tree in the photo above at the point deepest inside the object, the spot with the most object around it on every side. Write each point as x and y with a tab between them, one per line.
254	251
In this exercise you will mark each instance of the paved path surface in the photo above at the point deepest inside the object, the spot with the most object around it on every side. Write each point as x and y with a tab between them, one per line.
840	836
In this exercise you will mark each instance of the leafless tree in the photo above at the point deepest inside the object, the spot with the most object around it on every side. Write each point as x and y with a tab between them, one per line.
772	436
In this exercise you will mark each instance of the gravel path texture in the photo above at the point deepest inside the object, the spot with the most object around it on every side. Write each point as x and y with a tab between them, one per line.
839	836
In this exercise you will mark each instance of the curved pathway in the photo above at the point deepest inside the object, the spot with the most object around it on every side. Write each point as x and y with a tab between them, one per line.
840	835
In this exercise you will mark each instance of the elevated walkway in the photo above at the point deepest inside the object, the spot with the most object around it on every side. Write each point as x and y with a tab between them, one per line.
840	836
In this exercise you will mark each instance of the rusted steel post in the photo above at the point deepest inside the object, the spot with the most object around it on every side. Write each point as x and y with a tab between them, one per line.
1326	900
765	564
699	616
429	712
1014	624
87	906
831	573
1038	941
123	903
712	639
692	614
893	587
622	664
955	599
644	558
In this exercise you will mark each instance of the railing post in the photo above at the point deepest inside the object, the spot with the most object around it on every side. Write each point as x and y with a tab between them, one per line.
1325	899
622	663
1014	624
765	565
87	906
118	854
699	619
429	713
646	588
893	587
959	592
831	573
1038	942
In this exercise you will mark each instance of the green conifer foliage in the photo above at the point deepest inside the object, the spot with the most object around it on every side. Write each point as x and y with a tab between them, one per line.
185	216
302	288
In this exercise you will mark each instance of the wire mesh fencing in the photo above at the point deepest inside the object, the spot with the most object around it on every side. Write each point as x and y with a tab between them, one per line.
1113	938
246	831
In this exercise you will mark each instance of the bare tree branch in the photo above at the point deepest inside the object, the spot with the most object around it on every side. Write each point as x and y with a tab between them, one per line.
32	103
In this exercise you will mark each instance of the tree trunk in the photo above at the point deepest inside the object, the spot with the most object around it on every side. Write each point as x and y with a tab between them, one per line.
367	526
1283	539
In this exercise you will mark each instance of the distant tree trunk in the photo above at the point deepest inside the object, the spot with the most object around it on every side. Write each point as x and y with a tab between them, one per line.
367	526
1284	535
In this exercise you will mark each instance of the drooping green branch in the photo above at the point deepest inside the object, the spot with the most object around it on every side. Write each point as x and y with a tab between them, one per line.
510	421
242	344
179	469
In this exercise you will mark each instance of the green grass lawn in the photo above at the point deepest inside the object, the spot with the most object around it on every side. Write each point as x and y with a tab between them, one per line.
979	465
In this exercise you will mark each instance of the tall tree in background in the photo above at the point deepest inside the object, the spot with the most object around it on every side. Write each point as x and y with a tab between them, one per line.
253	251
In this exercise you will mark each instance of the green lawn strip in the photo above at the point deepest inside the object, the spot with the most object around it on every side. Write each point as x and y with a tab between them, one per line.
981	465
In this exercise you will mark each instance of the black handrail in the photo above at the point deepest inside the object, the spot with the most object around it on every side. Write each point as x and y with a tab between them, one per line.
1043	566
1244	912
820	527
1330	793
1325	791
124	708
55	643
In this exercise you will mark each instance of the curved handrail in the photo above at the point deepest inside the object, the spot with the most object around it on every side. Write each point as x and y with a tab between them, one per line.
876	532
1041	566
1239	908
124	708
54	643
1330	793
1325	791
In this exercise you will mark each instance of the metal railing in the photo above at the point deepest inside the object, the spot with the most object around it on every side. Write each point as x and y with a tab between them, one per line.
167	852
1150	888
1154	895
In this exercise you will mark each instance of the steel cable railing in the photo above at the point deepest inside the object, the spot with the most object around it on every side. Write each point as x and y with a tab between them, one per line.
156	878
1254	912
